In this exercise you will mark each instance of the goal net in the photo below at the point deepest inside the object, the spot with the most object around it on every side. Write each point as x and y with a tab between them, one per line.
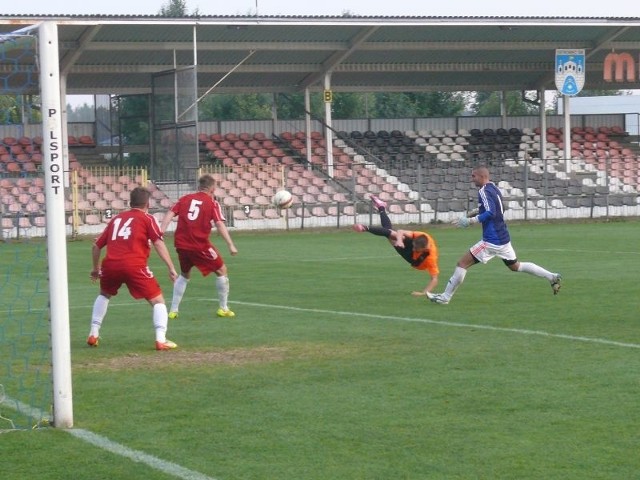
35	380
25	372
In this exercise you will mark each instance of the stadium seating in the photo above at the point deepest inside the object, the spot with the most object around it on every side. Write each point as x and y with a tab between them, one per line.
411	169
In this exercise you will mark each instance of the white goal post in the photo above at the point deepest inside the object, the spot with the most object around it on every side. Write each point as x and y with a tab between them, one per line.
53	167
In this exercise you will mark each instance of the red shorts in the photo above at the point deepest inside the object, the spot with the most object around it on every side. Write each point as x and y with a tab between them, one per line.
139	280
206	261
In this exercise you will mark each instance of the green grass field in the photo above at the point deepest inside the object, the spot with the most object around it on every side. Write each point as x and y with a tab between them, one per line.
332	370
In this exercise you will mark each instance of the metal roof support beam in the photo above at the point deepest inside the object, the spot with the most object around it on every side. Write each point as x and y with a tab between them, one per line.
337	57
66	64
372	54
346	46
83	43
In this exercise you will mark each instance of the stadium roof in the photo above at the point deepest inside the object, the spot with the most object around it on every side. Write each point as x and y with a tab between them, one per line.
238	54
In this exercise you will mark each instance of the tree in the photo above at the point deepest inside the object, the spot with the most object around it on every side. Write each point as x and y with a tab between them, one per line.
291	106
81	113
345	105
11	110
131	114
19	109
254	106
418	104
488	103
348	105
176	9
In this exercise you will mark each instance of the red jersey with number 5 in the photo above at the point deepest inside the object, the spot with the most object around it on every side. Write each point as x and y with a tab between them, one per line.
127	238
195	212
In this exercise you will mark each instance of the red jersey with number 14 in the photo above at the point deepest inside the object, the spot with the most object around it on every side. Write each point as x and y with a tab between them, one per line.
127	238
195	212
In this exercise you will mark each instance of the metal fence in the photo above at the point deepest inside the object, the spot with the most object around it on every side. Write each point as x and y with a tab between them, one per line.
418	190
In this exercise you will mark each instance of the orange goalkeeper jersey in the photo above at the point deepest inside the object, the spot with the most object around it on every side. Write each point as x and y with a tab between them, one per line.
421	260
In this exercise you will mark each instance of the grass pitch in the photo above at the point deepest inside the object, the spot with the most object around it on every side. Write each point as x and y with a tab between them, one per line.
332	370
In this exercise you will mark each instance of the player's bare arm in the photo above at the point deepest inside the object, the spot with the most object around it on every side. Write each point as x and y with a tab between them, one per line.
433	283
224	233
166	220
95	257
163	253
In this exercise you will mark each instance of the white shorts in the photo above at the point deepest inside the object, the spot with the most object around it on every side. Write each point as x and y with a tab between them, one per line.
485	251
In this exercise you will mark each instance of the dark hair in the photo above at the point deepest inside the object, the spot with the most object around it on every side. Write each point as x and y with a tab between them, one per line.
420	242
139	197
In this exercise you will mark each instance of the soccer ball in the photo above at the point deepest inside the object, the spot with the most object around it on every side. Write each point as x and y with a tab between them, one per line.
282	199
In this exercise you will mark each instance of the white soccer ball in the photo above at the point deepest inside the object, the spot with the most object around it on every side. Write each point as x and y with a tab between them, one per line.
282	199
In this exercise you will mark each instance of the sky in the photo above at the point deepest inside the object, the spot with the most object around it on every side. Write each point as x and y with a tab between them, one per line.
541	8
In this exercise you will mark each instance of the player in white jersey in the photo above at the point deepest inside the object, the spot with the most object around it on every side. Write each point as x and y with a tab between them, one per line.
495	242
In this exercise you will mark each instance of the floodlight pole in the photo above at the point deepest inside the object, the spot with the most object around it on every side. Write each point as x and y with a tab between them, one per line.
53	166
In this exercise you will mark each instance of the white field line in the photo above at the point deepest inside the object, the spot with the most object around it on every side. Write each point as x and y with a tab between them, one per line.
139	457
105	444
186	474
521	331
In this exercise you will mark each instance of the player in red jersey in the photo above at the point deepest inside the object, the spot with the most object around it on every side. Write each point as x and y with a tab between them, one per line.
128	238
419	249
197	212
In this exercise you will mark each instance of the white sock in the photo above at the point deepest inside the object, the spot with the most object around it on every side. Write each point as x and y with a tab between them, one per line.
97	315
179	287
536	270
454	282
160	320
222	285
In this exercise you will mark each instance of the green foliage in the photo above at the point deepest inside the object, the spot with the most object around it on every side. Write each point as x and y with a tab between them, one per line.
10	110
418	104
488	103
254	106
133	115
390	105
345	105
349	105
174	9
291	106
12	107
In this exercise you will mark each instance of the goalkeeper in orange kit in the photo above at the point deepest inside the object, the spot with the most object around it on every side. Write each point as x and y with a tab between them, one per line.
419	249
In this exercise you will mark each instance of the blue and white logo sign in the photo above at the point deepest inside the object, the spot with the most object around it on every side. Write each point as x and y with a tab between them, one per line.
570	71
